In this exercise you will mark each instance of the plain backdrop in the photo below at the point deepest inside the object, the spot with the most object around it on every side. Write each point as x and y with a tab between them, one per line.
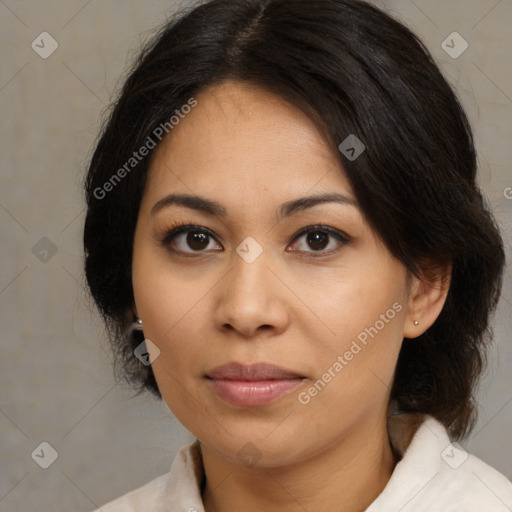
56	380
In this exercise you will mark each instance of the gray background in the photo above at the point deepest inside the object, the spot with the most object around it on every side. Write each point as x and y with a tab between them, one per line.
56	381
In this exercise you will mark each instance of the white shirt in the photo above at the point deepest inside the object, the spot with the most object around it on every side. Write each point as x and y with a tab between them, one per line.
433	475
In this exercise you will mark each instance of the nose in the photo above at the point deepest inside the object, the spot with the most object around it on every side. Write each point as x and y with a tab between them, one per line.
251	299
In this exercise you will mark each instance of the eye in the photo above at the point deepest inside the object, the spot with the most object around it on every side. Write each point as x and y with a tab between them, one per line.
321	239
189	239
192	240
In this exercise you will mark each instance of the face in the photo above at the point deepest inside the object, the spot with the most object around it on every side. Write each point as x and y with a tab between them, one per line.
257	277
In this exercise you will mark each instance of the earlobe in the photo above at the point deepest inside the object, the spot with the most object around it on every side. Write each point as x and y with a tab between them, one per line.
427	296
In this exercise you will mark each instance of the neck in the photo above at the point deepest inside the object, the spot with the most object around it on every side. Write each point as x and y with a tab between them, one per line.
352	471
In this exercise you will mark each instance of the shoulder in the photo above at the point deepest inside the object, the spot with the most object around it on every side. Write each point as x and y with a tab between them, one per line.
181	485
436	475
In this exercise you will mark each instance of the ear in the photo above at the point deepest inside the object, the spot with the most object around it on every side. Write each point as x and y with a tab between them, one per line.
427	295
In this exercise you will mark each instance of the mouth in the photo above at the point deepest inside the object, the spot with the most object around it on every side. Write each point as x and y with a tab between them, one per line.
252	385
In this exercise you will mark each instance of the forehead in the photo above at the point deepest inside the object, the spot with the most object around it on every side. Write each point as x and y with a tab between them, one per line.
240	138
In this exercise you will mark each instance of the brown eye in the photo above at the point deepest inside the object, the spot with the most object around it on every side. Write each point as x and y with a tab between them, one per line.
319	239
189	239
197	240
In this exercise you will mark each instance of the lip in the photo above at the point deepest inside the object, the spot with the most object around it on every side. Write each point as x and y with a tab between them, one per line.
252	372
254	384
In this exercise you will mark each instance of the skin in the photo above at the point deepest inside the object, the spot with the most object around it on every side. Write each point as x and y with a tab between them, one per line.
300	309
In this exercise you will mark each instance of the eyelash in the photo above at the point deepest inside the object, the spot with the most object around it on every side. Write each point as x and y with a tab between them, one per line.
178	228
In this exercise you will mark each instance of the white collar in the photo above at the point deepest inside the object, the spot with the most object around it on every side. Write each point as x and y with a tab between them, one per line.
432	475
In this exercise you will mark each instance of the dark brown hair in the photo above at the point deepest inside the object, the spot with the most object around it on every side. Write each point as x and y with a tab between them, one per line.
354	70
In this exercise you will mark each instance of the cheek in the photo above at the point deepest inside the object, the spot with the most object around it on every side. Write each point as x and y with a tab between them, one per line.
355	300
170	314
160	297
354	376
364	311
174	309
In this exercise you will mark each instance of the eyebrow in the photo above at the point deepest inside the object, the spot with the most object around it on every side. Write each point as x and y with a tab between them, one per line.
211	207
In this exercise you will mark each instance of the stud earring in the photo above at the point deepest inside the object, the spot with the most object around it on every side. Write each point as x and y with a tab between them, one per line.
416	322
137	325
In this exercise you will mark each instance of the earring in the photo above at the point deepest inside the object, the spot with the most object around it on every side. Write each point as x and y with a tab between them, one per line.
416	322
137	325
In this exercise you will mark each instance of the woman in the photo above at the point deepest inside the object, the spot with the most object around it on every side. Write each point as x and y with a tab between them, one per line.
288	245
